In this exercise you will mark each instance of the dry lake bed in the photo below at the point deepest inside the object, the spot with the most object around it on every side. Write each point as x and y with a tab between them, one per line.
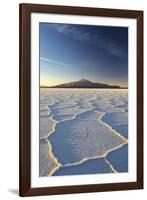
83	131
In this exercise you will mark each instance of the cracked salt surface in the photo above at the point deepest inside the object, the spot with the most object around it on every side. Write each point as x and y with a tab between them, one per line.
83	127
83	137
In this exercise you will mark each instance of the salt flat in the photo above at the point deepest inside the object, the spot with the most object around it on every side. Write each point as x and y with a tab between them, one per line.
83	137
46	164
83	127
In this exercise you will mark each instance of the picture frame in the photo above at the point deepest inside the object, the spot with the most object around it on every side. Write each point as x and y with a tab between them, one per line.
26	90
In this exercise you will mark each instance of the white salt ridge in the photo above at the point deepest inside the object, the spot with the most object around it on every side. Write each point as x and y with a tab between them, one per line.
85	105
44	110
118	121
44	113
46	164
117	118
43	107
46	126
60	114
62	111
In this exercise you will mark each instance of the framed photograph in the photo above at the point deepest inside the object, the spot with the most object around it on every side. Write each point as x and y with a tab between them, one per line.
81	99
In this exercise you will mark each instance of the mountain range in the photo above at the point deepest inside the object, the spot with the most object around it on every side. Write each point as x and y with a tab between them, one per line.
83	83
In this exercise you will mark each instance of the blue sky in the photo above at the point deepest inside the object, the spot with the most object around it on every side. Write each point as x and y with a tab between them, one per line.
73	52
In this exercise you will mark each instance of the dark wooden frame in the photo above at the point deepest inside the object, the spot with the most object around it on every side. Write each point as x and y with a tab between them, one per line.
25	102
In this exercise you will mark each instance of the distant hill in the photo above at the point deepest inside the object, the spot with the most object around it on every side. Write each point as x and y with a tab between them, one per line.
83	83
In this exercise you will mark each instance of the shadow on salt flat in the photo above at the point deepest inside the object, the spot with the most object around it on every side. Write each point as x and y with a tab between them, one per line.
119	159
89	167
118	121
63	117
116	118
122	129
105	107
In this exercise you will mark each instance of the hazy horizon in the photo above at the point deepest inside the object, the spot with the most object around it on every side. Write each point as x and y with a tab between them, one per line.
125	86
69	53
